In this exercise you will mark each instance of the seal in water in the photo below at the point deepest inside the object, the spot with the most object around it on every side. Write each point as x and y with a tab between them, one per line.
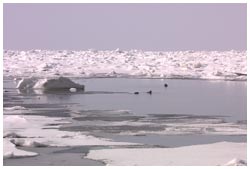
149	92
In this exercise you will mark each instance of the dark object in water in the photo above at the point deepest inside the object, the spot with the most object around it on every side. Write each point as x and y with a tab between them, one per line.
136	92
149	92
241	74
165	85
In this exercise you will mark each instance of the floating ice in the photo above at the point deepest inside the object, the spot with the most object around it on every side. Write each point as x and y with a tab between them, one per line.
209	154
10	151
15	121
14	108
223	65
26	83
57	84
236	162
12	135
27	143
61	83
35	131
72	89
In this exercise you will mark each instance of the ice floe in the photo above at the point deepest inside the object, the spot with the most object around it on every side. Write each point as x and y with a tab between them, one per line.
223	65
200	155
15	121
52	84
10	151
14	108
37	131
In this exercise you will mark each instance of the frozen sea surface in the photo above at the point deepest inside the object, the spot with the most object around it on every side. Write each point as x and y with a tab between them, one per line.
108	118
223	65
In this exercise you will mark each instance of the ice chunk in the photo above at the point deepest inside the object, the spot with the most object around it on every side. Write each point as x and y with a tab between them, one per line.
57	84
15	121
236	162
61	83
14	108
27	143
10	151
26	83
72	89
12	135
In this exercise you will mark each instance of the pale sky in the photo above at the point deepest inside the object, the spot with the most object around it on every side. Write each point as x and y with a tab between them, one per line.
154	27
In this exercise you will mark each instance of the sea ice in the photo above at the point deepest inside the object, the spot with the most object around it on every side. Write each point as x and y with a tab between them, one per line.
14	108
32	131
200	155
57	84
60	83
236	162
10	151
72	90
15	121
221	65
26	83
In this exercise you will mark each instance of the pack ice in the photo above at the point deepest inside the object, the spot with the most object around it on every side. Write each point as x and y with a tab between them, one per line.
219	65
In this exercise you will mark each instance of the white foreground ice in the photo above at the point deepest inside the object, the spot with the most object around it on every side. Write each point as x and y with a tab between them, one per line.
30	131
40	131
222	153
10	151
224	65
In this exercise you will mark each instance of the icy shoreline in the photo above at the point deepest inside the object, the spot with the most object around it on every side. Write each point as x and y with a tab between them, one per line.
214	65
222	153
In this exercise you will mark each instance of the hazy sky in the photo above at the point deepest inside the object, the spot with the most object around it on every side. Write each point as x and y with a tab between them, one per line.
125	26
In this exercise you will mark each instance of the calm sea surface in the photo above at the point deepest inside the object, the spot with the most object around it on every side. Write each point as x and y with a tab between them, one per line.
197	97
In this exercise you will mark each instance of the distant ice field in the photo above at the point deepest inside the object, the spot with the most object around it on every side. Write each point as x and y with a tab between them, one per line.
222	65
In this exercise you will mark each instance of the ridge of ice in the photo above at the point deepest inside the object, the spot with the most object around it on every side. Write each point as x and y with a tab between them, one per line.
59	83
14	108
27	143
220	65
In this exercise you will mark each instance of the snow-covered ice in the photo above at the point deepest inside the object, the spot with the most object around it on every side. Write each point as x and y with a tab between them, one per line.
224	65
30	131
14	108
44	69
236	162
60	83
10	151
214	154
